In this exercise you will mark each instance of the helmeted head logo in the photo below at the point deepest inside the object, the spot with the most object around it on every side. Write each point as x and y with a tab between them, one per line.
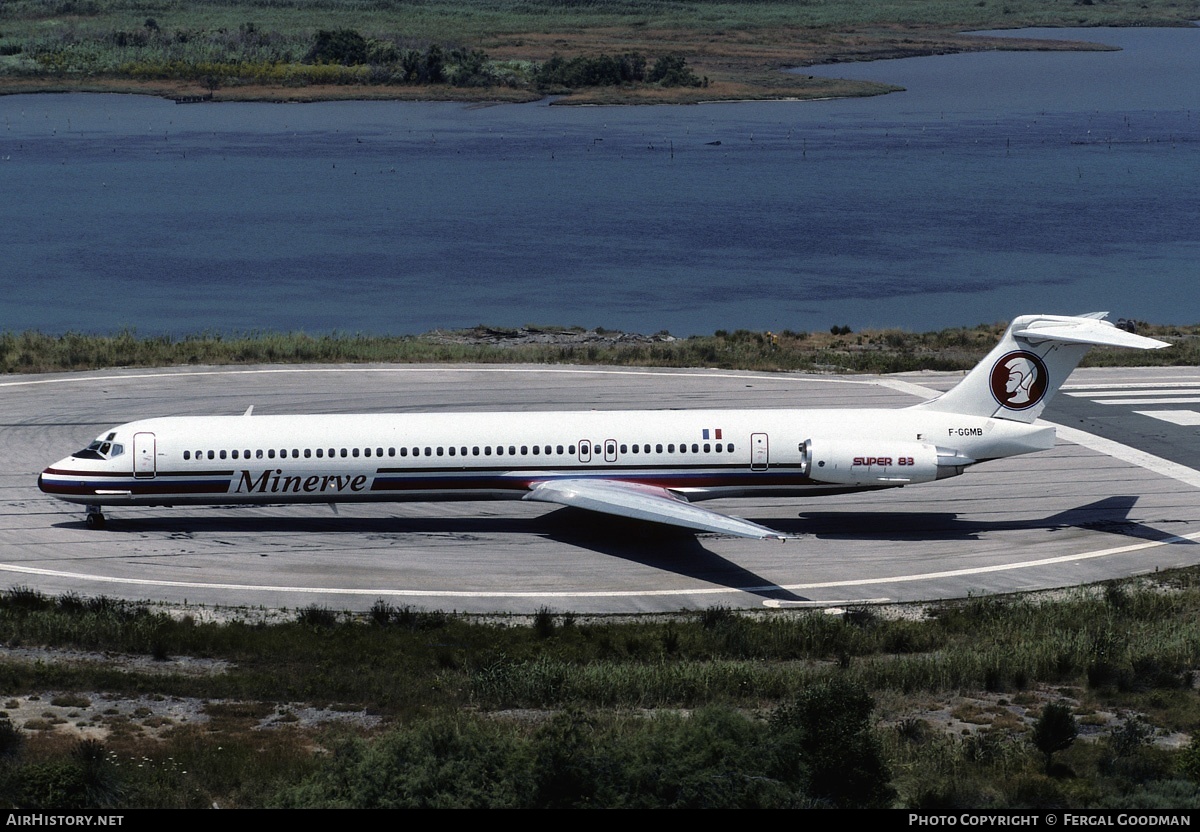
1019	380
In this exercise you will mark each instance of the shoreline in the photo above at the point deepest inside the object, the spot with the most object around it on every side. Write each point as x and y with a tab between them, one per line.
838	350
773	73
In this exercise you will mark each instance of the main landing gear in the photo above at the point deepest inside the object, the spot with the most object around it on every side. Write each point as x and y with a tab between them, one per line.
95	517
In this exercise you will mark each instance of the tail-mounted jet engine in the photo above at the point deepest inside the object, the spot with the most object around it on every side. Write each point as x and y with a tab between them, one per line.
869	462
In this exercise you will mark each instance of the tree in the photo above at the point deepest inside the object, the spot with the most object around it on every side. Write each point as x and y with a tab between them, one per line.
343	46
1055	730
827	730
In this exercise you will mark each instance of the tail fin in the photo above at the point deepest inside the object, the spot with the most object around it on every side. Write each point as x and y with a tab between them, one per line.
1035	356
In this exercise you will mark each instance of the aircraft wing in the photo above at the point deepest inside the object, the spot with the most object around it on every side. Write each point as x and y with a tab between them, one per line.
644	502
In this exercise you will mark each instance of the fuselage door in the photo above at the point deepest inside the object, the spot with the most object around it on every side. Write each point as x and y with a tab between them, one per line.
760	456
585	450
144	453
610	450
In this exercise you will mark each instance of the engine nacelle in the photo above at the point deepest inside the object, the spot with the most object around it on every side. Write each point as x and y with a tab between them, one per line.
873	462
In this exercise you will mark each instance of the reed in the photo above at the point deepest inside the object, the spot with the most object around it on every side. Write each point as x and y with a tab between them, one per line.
456	683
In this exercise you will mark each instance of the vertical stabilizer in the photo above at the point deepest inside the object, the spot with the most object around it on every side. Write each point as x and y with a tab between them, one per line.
1018	378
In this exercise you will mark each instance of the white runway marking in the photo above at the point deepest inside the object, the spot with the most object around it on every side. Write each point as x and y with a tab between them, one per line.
1185	418
1164	400
438	369
632	593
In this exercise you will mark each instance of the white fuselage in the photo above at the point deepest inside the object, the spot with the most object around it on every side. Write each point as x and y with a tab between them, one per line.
697	454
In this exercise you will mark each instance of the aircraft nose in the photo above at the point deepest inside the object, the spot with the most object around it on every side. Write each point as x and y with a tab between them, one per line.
42	486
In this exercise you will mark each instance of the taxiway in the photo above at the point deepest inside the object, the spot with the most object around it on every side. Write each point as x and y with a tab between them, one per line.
1116	497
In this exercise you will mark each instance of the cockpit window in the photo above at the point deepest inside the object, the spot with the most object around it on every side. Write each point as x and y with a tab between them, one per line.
101	449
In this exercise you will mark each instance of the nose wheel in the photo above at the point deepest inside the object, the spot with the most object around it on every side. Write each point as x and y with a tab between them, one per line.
95	517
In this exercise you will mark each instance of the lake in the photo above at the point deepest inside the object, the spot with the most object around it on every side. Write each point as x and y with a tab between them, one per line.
996	184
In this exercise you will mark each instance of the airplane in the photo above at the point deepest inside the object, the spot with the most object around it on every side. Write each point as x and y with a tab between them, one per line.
652	465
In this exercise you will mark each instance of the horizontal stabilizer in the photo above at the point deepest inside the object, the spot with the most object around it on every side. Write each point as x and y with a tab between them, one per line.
1085	330
644	502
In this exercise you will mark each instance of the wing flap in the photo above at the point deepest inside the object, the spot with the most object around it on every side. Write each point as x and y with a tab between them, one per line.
644	502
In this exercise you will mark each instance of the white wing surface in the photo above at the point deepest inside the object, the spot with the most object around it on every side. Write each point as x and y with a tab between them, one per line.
644	502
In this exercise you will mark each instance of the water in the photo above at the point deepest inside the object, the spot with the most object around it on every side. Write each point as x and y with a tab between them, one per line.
999	183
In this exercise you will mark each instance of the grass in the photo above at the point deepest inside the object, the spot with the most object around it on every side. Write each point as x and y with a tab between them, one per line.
868	351
509	690
254	49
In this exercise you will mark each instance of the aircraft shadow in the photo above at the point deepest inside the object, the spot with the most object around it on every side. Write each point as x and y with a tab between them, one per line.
668	548
1108	515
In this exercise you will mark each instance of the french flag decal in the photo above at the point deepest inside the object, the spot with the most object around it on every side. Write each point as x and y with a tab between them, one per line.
715	431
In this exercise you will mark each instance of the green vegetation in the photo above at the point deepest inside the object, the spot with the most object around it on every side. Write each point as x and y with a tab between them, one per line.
250	48
866	351
711	708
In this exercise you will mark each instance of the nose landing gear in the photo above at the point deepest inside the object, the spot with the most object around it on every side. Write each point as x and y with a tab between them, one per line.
95	517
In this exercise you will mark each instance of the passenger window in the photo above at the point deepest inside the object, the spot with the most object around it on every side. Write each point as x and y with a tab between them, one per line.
308	453
622	449
475	451
354	452
345	453
404	452
524	450
707	448
536	450
658	449
499	450
187	454
487	450
222	454
320	453
451	450
391	451
729	447
512	449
